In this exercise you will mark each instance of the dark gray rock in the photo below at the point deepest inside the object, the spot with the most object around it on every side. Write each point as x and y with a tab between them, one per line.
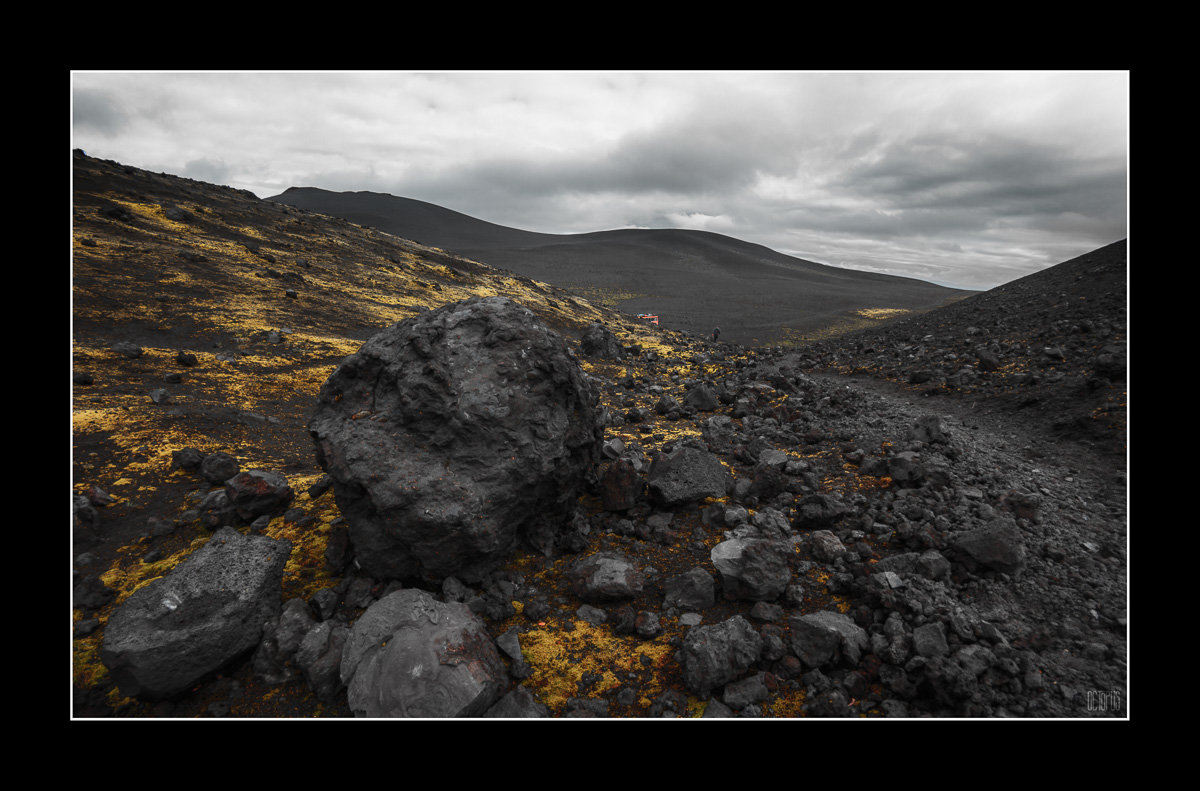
620	486
605	576
256	493
720	432
826	637
517	704
281	640
647	625
188	459
598	341
666	404
206	612
686	475
692	590
128	350
510	644
219	467
819	512
86	517
928	428
930	640
824	545
702	398
754	569
906	469
215	511
410	655
744	692
712	656
319	658
997	547
452	436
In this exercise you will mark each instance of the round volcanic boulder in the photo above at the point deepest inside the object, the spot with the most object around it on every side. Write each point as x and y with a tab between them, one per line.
453	436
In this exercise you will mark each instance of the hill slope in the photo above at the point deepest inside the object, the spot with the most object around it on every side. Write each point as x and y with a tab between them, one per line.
693	280
1048	349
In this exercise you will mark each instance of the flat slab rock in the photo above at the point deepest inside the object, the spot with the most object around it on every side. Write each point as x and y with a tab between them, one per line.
206	612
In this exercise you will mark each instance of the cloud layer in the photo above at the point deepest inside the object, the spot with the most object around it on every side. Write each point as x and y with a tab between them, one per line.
969	179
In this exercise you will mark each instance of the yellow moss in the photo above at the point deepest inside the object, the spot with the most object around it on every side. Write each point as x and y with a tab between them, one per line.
560	658
131	574
880	314
789	704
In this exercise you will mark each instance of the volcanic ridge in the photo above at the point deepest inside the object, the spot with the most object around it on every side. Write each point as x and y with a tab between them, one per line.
693	281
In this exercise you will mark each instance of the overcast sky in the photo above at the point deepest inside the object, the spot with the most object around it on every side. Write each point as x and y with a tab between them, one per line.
968	179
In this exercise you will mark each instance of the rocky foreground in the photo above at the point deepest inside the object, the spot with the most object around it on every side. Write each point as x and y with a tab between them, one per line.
696	530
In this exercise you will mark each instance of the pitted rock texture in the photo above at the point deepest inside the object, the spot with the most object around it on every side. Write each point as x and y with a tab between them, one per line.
454	435
205	613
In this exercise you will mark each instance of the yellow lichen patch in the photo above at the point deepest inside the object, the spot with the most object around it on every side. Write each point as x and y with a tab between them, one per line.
132	573
87	669
882	314
304	573
789	704
608	297
561	658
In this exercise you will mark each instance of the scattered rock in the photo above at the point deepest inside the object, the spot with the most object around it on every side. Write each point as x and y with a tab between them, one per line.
255	493
605	576
754	569
598	341
219	467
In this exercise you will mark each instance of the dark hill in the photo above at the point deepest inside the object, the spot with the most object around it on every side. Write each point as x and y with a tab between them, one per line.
693	280
1049	349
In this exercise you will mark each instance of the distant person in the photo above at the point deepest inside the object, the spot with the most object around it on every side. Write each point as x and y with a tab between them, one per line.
716	334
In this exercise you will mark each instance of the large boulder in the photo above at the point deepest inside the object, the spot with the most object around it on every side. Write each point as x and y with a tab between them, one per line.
206	612
410	655
452	436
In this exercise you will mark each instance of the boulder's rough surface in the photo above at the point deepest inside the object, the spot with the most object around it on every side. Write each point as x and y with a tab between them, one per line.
410	655
717	654
209	610
453	435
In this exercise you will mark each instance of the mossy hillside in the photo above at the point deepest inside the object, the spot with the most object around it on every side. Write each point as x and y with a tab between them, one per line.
216	286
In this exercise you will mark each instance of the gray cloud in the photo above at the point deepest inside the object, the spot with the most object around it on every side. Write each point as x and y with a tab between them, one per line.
97	111
966	178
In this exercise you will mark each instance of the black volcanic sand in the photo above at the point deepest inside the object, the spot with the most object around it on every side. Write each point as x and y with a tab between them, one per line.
269	299
693	281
